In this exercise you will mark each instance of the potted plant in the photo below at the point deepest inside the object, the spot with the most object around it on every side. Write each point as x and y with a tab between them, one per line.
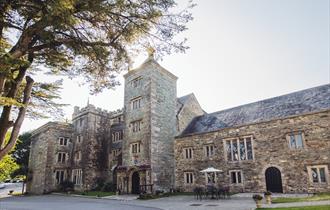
257	198
268	196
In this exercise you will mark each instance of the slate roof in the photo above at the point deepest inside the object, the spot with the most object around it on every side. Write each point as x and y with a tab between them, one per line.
180	102
301	102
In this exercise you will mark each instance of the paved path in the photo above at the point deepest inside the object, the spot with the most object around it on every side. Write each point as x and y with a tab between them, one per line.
60	202
189	203
293	204
16	187
54	202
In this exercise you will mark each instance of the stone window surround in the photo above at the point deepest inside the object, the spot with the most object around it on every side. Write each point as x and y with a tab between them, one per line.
295	133
310	178
63	141
62	157
211	151
136	103
188	153
136	82
78	174
135	147
79	139
77	156
235	138
116	152
189	178
57	176
117	136
136	125
236	171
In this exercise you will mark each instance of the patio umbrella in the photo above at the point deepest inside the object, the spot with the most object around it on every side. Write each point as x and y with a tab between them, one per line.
210	170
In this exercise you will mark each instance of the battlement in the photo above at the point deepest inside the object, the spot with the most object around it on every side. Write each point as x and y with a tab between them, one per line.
90	108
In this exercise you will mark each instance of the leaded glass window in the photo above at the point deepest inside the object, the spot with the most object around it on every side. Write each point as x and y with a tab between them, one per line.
315	175
296	140
318	174
239	149
236	177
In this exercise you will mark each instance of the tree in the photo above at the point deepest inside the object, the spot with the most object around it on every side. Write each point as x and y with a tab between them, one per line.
21	154
7	165
94	39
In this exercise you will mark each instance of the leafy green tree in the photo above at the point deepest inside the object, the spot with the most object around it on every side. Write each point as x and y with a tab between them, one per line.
21	154
7	165
94	39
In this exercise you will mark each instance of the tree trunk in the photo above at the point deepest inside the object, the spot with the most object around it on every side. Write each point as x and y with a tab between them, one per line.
5	115
2	83
20	118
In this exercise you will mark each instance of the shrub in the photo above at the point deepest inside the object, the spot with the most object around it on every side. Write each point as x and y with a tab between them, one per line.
158	192
109	187
66	186
146	196
98	184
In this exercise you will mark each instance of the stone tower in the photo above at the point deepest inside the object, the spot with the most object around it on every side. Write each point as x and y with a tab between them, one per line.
150	127
90	142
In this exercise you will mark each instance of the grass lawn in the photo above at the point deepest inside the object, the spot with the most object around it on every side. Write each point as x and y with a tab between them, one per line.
94	193
317	197
327	207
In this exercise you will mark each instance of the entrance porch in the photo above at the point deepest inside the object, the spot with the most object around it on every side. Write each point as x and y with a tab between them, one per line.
134	179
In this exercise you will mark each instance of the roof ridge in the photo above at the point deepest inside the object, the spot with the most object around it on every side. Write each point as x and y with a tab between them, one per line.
272	98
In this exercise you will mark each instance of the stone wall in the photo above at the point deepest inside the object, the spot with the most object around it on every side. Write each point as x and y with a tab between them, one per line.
43	156
157	111
270	148
93	127
163	128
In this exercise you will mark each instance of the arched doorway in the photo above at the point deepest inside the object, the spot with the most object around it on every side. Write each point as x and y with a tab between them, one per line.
273	180
135	183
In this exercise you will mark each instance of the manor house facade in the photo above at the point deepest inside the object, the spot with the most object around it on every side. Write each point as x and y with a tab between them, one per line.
161	142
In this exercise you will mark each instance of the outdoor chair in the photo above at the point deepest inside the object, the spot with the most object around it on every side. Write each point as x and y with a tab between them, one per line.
210	190
223	192
198	192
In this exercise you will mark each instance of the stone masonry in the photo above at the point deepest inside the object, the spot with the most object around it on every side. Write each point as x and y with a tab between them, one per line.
270	149
159	142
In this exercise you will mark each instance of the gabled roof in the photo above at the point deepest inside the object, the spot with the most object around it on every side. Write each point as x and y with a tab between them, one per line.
181	101
301	102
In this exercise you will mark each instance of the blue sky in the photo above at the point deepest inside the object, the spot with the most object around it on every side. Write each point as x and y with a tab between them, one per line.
241	51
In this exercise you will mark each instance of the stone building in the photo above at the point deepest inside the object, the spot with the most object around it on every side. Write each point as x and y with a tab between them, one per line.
280	144
161	142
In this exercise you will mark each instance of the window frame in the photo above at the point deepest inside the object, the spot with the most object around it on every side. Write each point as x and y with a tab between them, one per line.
76	176
188	178
115	152
135	148
79	139
136	82
236	177
136	126
58	176
63	141
136	103
188	153
207	150
237	141
318	167
116	136
62	157
295	134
